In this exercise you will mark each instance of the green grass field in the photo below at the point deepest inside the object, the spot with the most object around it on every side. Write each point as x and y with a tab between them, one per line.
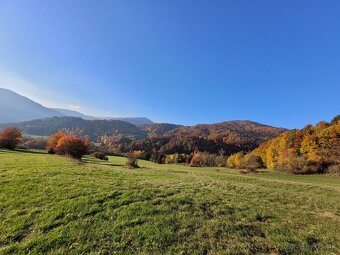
54	205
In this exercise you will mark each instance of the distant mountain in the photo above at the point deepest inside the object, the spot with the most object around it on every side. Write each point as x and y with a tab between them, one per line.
135	120
131	120
17	108
71	113
91	128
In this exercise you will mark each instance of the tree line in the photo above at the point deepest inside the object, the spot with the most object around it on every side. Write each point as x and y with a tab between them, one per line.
313	149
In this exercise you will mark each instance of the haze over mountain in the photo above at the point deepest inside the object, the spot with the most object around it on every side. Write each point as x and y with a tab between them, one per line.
71	113
17	108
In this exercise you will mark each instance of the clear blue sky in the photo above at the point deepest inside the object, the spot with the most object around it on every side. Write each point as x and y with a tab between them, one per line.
178	61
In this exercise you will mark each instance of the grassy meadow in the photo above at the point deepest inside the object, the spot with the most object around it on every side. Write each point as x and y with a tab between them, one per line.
54	205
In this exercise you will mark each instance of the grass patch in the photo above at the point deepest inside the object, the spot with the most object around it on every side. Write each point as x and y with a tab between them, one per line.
52	205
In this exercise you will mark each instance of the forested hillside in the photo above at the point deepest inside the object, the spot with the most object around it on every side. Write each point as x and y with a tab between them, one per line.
93	129
238	131
311	149
222	138
157	140
159	129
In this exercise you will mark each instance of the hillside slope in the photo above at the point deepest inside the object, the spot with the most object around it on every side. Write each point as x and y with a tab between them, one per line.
311	147
226	138
91	128
134	120
131	120
52	205
237	131
17	108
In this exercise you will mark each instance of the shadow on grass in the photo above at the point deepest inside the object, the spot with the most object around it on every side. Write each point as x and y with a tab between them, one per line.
24	151
100	162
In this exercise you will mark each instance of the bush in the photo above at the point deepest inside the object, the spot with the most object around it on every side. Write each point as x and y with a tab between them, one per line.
53	141
10	138
33	143
176	158
140	154
100	155
73	146
158	158
236	160
132	161
252	162
334	169
221	161
201	159
301	165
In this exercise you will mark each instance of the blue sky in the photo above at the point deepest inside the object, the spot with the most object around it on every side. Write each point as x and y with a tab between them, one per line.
187	62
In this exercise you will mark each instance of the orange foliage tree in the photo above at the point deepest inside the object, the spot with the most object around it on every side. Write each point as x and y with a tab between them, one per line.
73	146
10	138
53	141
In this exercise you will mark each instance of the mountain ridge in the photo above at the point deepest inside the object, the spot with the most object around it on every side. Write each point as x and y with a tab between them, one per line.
12	111
16	108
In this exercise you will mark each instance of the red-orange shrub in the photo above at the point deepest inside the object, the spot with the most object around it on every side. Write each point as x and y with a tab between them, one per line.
73	146
10	138
53	141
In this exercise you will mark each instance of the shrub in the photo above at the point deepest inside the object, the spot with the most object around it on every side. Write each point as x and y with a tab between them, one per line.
221	161
73	146
100	155
176	158
301	165
236	160
33	143
140	154
132	161
252	162
158	158
53	141
201	159
334	169
10	138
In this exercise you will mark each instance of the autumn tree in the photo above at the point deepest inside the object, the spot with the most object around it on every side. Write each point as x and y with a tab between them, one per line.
252	162
73	146
336	119
236	160
10	138
313	149
132	161
53	141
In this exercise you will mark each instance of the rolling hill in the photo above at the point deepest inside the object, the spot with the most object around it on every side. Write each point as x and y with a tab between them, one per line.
134	120
52	205
91	128
229	136
226	137
237	131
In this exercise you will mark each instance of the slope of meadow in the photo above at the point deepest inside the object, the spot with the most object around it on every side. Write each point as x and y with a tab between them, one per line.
53	205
